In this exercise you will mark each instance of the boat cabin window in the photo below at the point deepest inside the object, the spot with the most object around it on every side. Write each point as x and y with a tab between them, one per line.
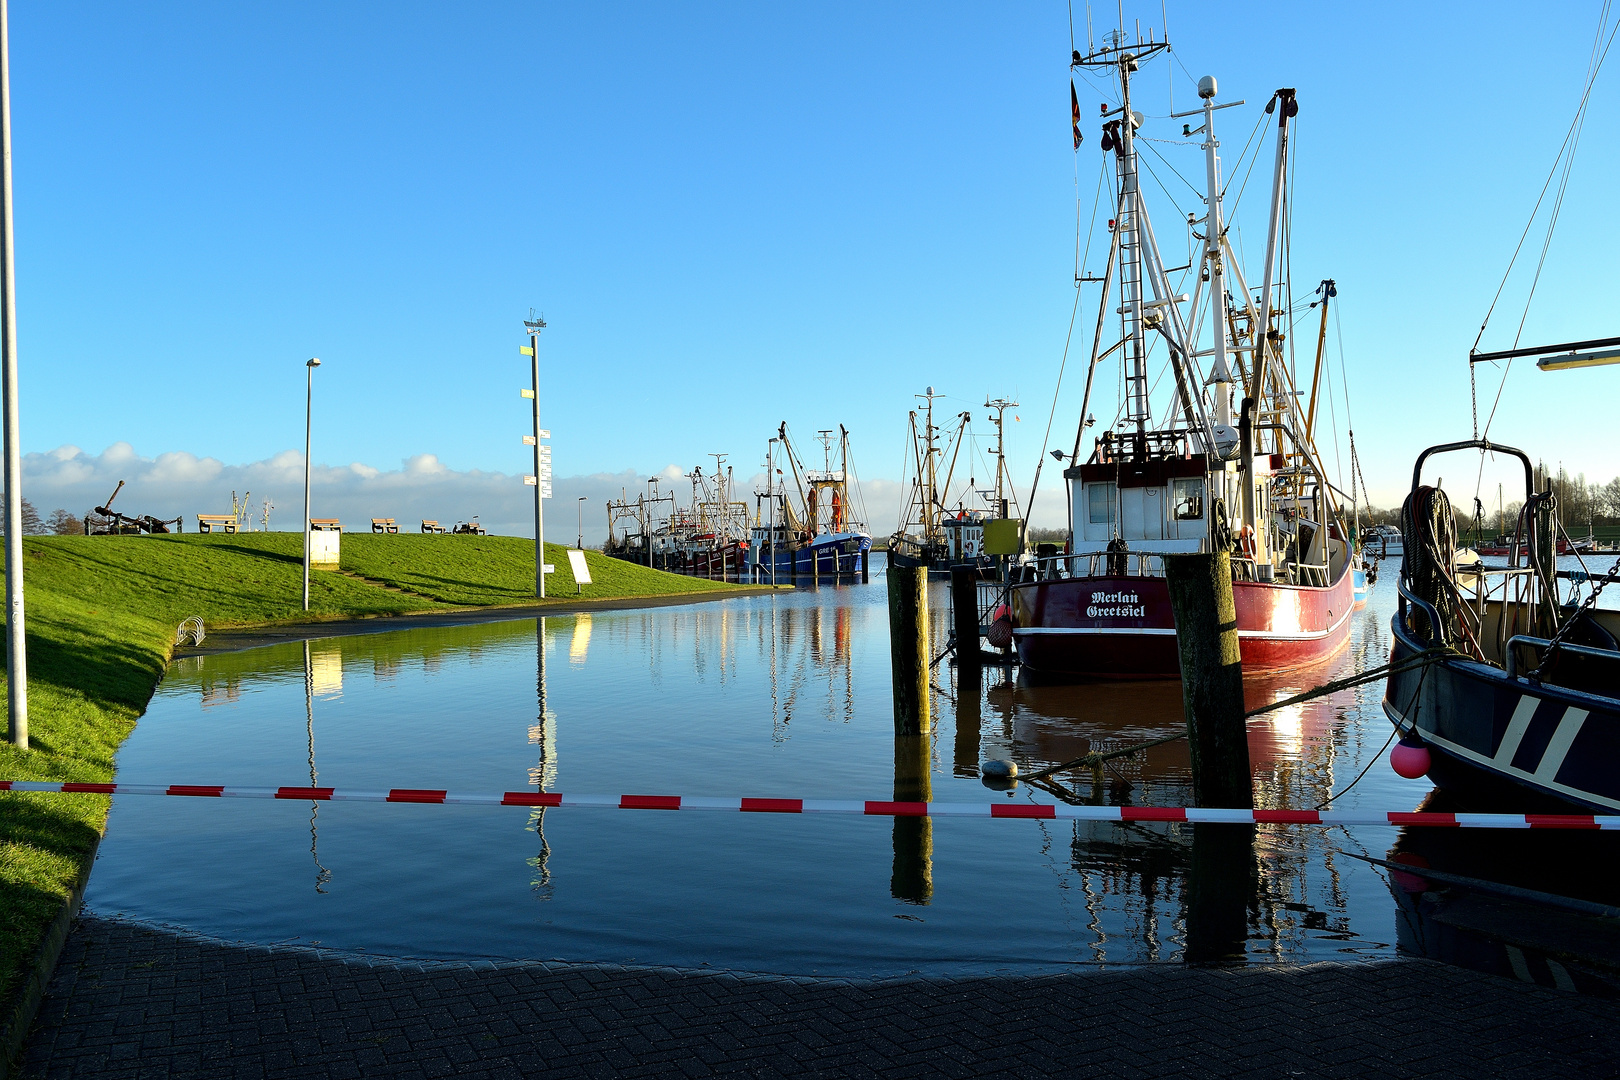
1187	500
1100	502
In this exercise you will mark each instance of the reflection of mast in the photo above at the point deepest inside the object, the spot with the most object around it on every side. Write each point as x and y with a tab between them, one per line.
544	734
322	874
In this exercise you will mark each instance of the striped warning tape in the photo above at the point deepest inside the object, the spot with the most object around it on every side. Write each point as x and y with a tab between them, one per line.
1194	815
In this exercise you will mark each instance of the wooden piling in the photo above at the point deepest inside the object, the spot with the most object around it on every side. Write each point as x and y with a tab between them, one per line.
908	648
1211	677
965	619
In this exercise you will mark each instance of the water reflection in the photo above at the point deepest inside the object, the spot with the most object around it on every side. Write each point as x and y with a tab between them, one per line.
543	735
913	877
322	874
1518	904
780	696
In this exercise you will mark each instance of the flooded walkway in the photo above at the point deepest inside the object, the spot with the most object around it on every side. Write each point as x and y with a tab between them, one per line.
129	1001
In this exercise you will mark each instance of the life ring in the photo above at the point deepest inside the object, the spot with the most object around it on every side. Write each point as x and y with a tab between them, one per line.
1245	539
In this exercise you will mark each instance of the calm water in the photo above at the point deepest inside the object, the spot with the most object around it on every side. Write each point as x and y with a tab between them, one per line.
768	696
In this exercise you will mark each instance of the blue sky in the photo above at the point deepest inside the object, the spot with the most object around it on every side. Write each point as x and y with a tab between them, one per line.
734	215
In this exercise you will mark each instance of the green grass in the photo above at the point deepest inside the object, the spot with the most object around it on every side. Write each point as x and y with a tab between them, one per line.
102	613
483	570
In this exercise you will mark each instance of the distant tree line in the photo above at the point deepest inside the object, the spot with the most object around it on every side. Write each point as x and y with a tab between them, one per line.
59	523
1579	503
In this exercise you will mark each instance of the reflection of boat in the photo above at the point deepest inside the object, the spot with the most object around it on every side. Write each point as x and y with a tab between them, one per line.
1520	905
1526	701
821	534
1189	481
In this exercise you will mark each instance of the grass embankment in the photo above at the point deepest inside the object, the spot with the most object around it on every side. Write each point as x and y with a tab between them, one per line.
102	613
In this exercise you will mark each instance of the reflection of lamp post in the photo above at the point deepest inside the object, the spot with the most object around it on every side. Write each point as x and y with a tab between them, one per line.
580	507
309	402
322	874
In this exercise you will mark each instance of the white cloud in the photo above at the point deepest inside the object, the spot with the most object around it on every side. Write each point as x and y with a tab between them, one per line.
178	483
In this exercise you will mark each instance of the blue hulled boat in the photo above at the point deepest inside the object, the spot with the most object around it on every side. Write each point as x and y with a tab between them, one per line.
1524	698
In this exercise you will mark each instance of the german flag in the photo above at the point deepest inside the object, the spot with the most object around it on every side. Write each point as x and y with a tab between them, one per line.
1074	111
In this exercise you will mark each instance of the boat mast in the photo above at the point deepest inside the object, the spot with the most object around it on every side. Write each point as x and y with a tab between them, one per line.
931	507
1220	375
1130	245
1266	340
1000	405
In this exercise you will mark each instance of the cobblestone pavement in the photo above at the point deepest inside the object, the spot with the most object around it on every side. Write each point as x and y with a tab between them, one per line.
130	1001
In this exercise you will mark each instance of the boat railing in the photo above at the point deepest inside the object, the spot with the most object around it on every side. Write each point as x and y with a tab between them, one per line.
1088	564
1437	628
1539	644
1316	574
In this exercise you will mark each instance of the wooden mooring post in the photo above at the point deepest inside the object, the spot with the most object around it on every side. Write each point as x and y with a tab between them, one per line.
965	621
908	648
1211	677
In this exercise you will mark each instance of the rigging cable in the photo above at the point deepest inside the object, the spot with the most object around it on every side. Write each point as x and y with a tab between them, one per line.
1069	337
1566	155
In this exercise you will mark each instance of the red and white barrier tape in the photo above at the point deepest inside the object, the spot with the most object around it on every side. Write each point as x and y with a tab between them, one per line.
1194	815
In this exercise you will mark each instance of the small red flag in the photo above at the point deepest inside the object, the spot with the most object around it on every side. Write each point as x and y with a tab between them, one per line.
1074	110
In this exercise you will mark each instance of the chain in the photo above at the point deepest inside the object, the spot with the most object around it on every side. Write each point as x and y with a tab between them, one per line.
1569	624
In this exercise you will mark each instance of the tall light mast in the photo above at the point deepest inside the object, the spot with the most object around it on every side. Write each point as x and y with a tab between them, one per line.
1000	405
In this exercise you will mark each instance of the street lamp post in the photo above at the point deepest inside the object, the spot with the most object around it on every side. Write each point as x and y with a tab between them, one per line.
579	506
16	638
533	326
309	402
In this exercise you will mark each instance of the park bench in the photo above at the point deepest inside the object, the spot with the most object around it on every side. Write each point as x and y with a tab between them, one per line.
470	528
431	526
325	525
384	525
210	522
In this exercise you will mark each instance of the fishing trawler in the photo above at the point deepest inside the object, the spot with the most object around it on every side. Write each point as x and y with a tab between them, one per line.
1524	701
1230	465
936	533
820	534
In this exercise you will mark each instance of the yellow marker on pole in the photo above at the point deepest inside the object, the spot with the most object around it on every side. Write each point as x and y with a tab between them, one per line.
527	393
526	350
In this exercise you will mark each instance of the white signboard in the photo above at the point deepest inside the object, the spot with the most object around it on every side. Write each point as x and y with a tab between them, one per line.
545	490
323	547
545	471
582	573
544	434
531	481
528	440
550	568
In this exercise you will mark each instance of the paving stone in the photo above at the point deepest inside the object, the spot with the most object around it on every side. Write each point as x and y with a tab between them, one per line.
131	1001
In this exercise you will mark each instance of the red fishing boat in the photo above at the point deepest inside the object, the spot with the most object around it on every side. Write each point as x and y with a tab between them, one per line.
1191	480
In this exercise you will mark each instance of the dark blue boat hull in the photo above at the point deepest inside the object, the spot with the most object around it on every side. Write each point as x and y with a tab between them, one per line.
1493	735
